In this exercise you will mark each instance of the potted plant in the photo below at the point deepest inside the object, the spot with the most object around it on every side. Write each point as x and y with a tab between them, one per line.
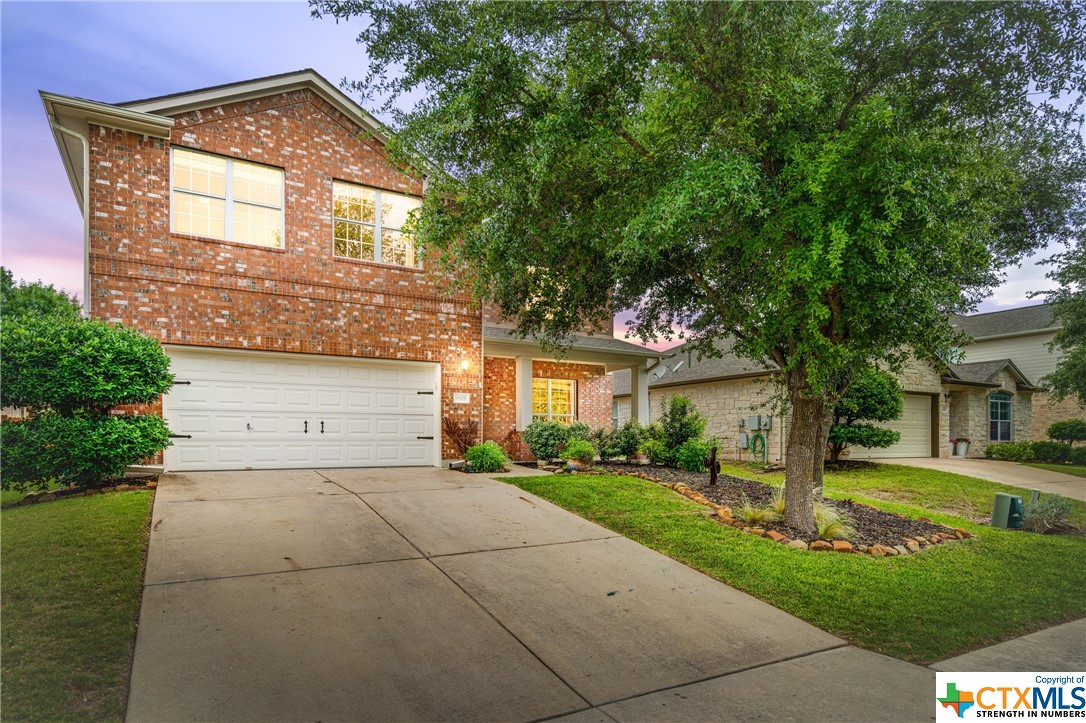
580	454
961	446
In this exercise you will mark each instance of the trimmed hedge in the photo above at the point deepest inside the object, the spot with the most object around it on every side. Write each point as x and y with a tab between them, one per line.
76	451
1047	452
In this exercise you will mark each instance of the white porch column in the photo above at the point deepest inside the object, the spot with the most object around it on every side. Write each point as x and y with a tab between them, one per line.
639	394
524	392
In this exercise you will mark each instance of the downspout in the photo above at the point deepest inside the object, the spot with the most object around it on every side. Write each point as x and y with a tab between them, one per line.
86	208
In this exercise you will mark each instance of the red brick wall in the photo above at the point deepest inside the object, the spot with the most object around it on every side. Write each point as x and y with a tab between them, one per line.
202	292
499	412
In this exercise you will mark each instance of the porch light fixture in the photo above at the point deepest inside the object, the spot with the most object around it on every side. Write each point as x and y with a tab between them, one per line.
464	364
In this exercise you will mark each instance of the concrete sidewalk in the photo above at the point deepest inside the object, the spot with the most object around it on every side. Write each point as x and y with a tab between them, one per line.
1062	647
422	594
1007	473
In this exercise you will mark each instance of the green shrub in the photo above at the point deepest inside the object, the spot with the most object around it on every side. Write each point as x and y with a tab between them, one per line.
873	396
603	440
580	450
78	365
545	439
692	453
627	439
1069	430
656	450
71	372
486	457
1010	451
860	434
1051	452
680	421
1078	456
1049	512
76	451
580	430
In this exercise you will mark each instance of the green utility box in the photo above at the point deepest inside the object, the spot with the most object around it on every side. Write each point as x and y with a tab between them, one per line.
1008	511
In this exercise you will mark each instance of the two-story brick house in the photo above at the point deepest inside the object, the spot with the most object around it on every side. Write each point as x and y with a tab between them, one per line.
255	230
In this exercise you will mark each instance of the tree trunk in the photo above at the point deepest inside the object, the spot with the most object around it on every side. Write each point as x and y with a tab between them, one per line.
807	439
820	459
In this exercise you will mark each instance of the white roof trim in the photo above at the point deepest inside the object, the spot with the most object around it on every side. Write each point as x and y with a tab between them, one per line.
260	88
78	114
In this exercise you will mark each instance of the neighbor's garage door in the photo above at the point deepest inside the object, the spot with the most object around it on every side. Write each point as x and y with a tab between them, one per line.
253	410
915	428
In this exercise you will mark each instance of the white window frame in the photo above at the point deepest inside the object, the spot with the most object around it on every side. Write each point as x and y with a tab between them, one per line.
1004	398
550	416
378	251
230	200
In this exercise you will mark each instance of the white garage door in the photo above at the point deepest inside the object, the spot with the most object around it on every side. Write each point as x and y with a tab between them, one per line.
253	410
915	428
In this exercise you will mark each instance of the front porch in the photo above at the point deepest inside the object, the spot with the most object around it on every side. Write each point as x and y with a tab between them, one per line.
522	383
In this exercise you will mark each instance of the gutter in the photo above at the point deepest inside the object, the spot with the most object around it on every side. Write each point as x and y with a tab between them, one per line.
86	208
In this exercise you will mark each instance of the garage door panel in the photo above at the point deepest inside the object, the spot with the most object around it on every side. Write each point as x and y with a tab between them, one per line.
254	409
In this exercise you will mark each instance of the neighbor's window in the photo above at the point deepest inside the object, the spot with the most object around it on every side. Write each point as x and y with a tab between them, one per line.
554	400
225	198
614	415
999	416
367	224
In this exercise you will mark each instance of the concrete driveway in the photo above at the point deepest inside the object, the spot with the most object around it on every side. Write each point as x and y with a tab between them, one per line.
1008	473
423	594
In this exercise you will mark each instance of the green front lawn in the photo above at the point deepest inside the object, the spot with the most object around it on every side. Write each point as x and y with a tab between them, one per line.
922	608
928	489
71	578
1076	469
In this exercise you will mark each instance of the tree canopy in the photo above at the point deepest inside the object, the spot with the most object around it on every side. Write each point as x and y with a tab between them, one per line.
33	299
824	182
1068	379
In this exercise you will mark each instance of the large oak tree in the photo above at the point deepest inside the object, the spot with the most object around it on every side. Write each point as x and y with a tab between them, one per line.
823	182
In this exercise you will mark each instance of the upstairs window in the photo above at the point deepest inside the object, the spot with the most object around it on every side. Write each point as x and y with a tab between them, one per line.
999	417
224	198
367	225
554	400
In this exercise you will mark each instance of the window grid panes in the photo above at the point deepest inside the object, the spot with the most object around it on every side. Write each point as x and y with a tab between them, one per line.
999	415
367	225
226	199
554	400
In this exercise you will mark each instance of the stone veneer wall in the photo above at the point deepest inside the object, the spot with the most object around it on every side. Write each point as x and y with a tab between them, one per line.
723	403
499	406
969	414
1046	411
197	291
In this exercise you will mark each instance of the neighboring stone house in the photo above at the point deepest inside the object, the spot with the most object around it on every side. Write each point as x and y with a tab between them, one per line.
729	388
254	229
984	402
1022	335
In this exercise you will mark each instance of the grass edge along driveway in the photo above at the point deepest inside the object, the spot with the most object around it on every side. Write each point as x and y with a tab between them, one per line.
922	608
72	573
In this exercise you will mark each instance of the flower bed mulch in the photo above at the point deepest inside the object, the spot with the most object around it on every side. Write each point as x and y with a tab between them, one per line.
873	526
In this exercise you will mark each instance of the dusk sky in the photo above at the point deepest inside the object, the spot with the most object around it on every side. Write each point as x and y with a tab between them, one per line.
116	52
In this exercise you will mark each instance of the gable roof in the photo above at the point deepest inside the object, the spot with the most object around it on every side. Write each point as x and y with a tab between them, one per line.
982	373
307	78
1009	322
69	115
681	366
